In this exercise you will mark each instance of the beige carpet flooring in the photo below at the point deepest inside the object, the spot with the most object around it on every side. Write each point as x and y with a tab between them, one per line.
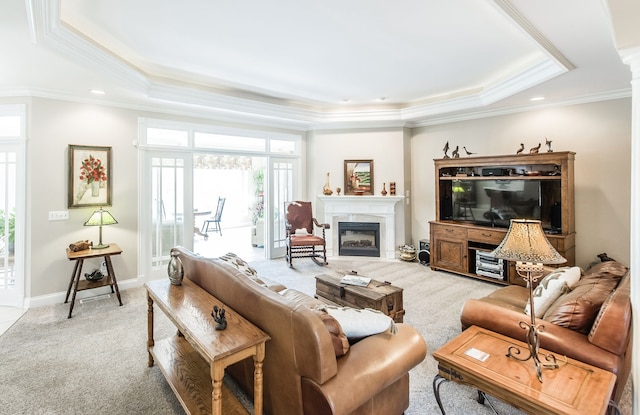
96	362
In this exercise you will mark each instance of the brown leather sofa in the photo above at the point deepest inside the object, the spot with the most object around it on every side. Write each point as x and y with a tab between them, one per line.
302	372
591	323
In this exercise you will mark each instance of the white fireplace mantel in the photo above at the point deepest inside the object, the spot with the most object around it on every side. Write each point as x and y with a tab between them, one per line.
384	210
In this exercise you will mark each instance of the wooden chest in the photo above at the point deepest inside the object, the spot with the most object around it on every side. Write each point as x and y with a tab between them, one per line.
377	295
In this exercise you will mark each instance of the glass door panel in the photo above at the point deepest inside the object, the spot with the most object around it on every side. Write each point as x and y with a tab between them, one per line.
283	187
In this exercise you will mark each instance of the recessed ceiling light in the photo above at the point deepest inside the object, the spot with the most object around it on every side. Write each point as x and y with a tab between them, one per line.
382	99
537	98
97	91
345	100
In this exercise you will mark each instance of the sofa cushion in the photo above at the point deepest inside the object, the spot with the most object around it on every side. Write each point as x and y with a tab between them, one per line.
551	287
242	265
239	264
578	309
359	323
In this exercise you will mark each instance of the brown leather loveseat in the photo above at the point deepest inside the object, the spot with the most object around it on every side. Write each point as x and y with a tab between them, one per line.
303	373
591	323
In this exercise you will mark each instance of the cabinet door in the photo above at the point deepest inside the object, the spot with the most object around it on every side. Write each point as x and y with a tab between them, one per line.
449	254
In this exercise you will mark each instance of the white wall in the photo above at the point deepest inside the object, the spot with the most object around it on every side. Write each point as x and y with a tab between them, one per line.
600	135
326	152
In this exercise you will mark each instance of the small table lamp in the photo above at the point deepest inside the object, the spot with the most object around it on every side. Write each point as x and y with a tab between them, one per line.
99	218
527	244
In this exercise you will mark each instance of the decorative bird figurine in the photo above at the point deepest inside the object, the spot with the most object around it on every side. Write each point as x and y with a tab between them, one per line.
218	315
521	149
456	153
467	151
446	150
534	150
547	142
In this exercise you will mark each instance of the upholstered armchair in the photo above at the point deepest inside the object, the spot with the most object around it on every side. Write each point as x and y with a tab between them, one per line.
301	240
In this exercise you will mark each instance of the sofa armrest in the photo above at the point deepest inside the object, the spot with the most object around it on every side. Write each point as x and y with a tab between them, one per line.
371	365
560	340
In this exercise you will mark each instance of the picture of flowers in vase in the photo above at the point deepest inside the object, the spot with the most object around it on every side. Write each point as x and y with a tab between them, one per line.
89	169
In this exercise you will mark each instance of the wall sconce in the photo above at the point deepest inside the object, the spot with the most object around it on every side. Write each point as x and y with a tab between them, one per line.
527	244
99	218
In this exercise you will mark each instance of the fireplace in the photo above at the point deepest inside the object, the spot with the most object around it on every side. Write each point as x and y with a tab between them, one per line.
359	239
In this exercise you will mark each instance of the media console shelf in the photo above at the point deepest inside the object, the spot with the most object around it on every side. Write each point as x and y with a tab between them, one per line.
476	197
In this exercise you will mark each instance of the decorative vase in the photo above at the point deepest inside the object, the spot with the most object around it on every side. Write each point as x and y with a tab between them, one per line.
338	190
384	189
175	270
326	190
95	189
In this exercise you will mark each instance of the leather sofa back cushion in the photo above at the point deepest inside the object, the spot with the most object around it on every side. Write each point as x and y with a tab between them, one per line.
578	309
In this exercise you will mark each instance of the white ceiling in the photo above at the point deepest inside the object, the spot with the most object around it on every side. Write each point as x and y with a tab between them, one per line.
304	64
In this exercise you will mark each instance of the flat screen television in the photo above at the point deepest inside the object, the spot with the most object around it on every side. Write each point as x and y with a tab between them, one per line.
494	202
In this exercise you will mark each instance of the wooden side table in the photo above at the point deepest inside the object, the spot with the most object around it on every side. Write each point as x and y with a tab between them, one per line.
193	361
477	357
80	285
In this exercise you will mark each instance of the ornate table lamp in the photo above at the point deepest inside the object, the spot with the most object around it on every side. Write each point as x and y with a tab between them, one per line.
527	245
99	218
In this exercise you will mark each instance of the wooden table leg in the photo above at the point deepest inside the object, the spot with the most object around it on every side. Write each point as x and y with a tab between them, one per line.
78	271
73	277
150	341
258	360
112	275
217	373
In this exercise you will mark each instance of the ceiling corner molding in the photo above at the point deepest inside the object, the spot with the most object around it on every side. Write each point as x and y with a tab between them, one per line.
530	77
47	29
526	26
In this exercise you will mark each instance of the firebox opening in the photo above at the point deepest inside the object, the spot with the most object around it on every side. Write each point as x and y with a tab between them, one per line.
359	239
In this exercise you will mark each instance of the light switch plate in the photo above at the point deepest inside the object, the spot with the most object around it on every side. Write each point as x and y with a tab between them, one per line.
58	215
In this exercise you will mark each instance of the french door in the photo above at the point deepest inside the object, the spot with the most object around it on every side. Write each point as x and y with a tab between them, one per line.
284	186
12	197
166	209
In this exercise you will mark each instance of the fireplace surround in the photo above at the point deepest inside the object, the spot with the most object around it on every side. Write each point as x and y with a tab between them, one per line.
388	211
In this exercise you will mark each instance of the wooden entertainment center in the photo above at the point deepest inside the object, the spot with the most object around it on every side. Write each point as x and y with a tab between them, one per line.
476	197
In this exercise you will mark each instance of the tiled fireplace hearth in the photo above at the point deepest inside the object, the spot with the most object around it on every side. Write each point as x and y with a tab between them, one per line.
388	211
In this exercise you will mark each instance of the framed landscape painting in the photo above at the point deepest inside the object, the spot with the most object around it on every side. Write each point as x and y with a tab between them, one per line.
89	176
358	177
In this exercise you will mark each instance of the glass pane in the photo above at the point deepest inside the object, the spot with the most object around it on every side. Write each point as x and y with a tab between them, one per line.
229	142
168	207
282	146
283	193
10	126
166	137
7	219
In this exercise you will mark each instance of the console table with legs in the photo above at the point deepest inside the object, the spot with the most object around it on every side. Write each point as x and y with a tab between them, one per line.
193	361
477	357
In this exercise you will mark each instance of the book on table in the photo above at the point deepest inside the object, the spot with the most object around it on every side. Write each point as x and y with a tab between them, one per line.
355	280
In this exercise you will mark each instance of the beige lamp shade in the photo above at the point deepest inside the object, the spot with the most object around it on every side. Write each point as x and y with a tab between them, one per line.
526	242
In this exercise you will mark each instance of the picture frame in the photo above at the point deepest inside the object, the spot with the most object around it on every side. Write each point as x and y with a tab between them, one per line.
358	177
89	176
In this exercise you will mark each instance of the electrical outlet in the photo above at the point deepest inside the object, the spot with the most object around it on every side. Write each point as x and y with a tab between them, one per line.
58	215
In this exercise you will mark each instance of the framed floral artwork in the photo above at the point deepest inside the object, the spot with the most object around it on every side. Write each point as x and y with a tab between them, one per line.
89	176
358	177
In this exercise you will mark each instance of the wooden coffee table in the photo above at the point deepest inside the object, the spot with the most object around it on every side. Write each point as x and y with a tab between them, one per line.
574	388
377	295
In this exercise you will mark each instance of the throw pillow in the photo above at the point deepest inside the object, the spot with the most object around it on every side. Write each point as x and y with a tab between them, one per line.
578	309
339	339
239	264
551	287
545	294
359	323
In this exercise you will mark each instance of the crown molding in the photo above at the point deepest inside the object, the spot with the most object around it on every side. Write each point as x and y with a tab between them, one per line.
171	96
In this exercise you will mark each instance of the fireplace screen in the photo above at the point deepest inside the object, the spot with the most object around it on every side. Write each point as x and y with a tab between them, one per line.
359	239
